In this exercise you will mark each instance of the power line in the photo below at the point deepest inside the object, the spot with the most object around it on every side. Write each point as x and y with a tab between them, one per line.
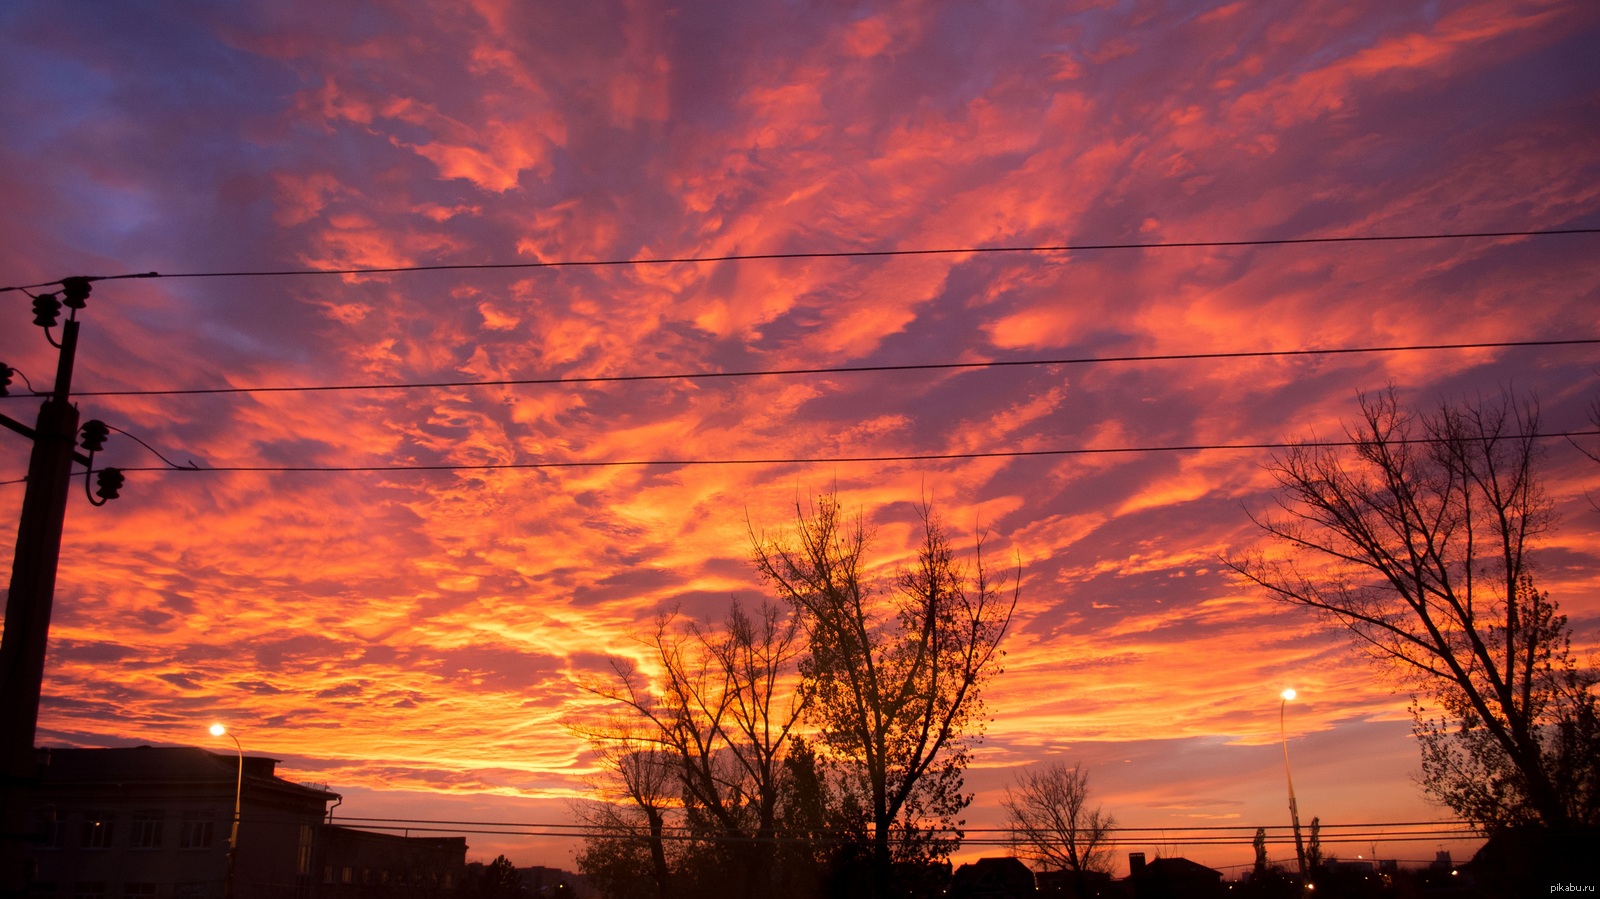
1452	824
1368	830
686	837
814	460
1276	835
1117	837
843	254
832	370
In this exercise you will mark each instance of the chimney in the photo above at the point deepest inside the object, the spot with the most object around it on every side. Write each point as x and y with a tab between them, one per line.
1135	864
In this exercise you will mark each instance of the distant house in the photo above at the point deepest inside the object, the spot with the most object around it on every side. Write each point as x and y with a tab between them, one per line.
362	864
1528	856
993	878
155	821
1170	878
1077	885
540	880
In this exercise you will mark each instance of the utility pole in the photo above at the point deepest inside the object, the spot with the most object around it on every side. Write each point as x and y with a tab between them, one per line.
33	581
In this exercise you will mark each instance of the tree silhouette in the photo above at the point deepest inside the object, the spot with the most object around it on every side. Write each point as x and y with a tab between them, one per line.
896	674
716	726
1053	824
626	851
1416	542
497	880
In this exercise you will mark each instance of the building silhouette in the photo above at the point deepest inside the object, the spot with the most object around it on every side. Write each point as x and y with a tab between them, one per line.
155	821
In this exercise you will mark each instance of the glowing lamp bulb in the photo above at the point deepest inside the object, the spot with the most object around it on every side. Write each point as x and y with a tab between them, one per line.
1288	695
218	730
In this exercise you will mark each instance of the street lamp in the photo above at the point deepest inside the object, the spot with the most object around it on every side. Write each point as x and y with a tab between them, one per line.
1294	812
217	730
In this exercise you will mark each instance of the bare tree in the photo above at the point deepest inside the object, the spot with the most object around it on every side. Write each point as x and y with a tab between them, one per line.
726	705
1416	542
896	674
1052	823
629	824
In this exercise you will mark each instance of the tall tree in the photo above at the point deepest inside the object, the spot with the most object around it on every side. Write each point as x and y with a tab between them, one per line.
720	716
896	673
1416	541
1053	824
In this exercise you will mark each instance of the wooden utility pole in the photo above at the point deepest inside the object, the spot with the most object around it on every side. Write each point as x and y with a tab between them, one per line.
28	604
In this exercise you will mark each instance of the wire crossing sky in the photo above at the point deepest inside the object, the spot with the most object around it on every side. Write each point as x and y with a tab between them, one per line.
929	366
836	254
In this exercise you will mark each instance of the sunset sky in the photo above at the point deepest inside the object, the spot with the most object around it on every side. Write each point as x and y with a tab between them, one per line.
415	639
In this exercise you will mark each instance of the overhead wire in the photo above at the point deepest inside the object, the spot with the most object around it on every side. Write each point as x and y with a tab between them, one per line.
1365	830
790	460
842	254
796	460
1238	835
808	460
832	370
812	460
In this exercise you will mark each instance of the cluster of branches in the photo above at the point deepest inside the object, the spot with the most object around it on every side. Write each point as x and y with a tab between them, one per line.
814	747
695	762
1417	543
1053	825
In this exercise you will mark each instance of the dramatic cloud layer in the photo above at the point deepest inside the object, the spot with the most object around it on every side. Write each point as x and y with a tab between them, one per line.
428	631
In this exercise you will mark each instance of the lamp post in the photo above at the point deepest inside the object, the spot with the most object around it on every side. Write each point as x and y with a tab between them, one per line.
1294	812
217	730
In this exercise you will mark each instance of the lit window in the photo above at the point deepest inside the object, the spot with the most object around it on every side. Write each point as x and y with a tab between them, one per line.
97	831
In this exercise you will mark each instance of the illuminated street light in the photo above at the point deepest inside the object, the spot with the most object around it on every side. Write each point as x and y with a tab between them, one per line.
1294	812
217	730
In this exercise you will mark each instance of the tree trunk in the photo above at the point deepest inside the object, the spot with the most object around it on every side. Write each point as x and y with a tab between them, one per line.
658	854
